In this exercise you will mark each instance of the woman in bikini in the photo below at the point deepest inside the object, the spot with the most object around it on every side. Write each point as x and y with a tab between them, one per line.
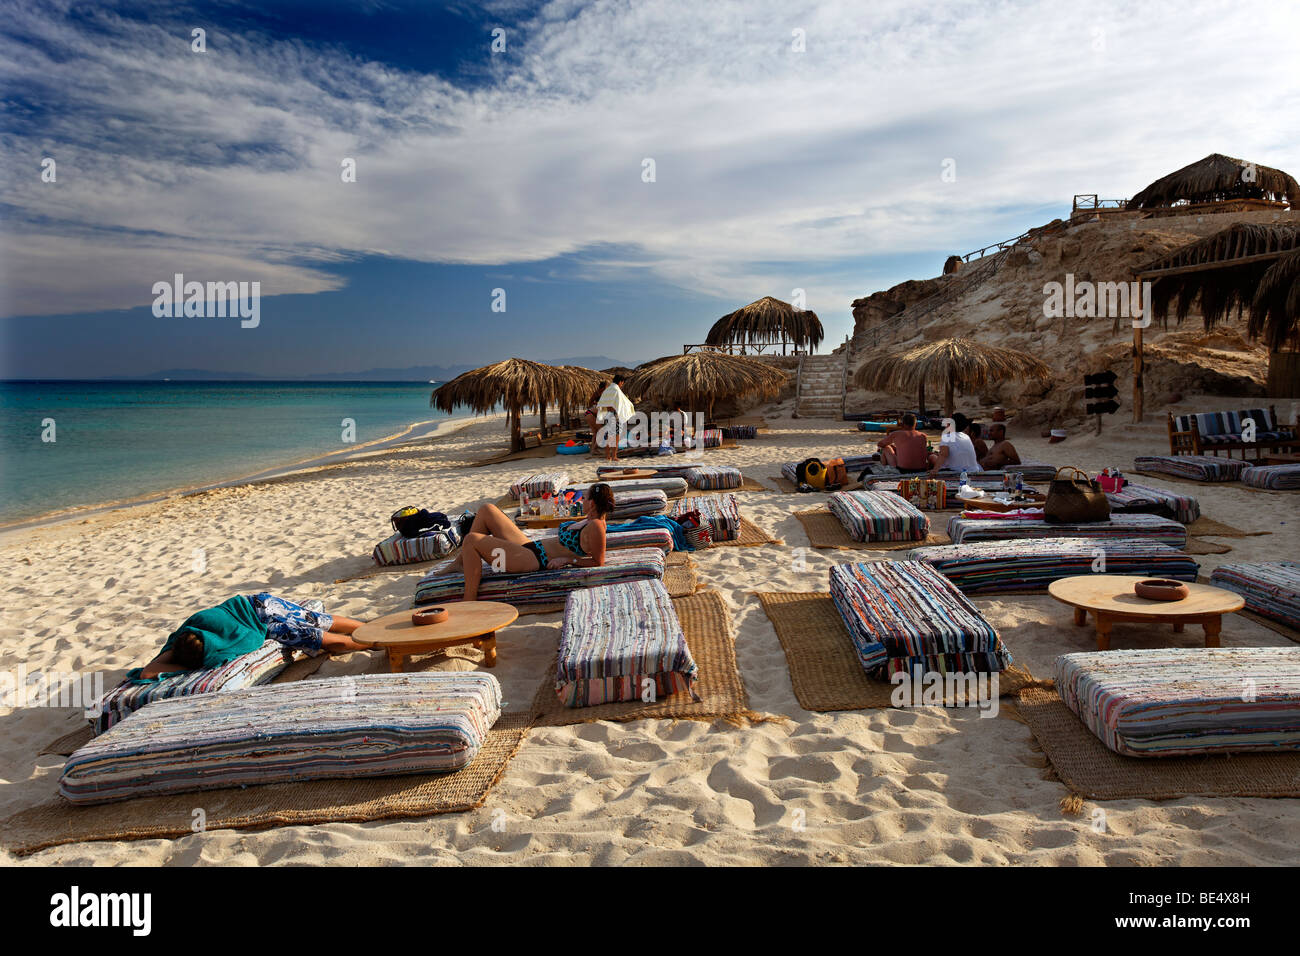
496	539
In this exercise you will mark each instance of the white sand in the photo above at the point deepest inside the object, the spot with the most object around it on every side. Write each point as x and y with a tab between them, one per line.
905	786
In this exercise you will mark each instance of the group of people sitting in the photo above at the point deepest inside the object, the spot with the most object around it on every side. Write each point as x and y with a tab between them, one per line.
961	447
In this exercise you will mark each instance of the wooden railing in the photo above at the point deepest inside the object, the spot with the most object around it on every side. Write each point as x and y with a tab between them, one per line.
748	348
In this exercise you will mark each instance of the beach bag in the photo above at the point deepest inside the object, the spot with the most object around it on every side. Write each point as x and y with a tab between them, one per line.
1076	499
811	471
836	473
698	534
928	494
411	522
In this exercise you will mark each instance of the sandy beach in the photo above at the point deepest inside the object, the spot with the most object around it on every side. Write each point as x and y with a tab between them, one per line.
916	786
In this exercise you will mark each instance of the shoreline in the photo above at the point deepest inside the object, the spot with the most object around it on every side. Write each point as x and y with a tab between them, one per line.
440	428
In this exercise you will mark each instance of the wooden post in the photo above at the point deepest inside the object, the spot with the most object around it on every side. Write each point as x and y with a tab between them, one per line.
949	405
920	399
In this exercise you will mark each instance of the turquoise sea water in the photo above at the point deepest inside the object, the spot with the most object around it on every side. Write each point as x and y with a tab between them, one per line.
123	440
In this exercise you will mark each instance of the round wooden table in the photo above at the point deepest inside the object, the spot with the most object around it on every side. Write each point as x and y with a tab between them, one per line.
471	622
1033	500
1110	598
635	473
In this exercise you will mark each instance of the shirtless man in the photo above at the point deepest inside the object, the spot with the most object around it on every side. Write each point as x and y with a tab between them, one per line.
904	448
1002	453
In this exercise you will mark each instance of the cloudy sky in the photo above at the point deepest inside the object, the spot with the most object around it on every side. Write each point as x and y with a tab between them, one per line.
794	145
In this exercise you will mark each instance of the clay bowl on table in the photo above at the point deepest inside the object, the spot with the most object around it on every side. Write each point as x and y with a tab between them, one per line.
1160	589
433	615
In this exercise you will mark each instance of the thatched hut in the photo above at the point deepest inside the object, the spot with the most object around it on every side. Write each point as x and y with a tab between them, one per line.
1220	179
768	322
950	364
698	379
515	384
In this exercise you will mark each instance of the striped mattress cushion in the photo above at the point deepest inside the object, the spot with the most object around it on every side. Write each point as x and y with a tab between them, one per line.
630	503
904	616
1171	702
673	487
622	642
1143	499
537	485
720	512
1271	588
853	464
1148	527
617	539
661	471
1272	477
1190	467
1034	564
427	547
446	582
878	516
371	725
740	431
1227	426
247	670
714	477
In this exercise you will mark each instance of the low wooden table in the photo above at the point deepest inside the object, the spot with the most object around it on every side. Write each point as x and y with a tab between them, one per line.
987	503
635	473
544	521
471	622
1110	598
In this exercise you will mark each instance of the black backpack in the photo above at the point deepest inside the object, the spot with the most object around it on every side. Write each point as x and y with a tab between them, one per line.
411	522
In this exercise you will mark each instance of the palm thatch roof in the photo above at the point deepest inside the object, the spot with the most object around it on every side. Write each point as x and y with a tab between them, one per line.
515	384
1218	177
767	321
698	379
1275	311
1220	273
950	364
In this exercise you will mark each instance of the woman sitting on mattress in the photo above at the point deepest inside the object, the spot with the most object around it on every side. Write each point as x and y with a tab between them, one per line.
496	539
218	635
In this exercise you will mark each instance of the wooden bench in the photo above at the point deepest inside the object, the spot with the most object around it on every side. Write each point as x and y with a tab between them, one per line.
1208	433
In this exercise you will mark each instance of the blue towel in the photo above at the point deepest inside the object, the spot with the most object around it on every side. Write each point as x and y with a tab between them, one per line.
661	521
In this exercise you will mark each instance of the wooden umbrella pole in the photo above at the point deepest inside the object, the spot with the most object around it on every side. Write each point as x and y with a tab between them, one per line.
516	442
949	405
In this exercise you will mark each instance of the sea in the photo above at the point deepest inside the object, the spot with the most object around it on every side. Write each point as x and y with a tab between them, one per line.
70	444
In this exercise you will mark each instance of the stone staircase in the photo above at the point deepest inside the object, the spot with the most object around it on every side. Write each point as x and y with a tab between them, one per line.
821	387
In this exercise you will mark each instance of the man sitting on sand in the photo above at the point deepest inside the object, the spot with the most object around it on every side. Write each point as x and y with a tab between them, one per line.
904	448
956	451
218	635
1002	453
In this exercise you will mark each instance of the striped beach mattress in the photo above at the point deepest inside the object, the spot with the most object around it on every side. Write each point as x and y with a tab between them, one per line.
672	487
446	582
622	642
1172	702
719	512
1190	467
660	470
713	477
1272	477
1143	499
537	485
247	670
1032	565
878	516
906	616
740	431
853	464
369	725
630	503
427	547
1271	588
1148	527
618	539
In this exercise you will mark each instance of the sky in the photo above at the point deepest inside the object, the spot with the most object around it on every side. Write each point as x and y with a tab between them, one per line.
836	148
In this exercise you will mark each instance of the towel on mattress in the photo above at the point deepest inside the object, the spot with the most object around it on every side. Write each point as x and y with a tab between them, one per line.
719	512
537	485
878	516
1179	701
1271	588
369	725
1034	564
614	638
247	670
1272	477
904	616
1143	499
446	582
713	477
962	529
619	537
1190	467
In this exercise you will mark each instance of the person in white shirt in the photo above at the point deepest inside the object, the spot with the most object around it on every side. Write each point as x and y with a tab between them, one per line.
614	409
956	450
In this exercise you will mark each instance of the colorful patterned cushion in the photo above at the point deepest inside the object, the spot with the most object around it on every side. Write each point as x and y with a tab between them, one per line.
1148	527
427	547
615	638
446	581
906	616
673	487
618	539
719	512
740	431
1271	588
371	725
1172	702
1190	467
537	485
1034	564
630	503
878	516
247	670
1272	477
714	477
1143	499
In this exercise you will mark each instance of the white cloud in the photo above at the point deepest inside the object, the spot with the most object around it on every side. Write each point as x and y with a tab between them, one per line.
817	160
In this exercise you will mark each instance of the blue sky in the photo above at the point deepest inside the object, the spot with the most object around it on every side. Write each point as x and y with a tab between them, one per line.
775	168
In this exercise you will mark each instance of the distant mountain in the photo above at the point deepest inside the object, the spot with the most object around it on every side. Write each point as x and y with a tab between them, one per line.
412	373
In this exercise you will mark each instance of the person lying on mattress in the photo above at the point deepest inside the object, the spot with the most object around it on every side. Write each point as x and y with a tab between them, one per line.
217	635
496	539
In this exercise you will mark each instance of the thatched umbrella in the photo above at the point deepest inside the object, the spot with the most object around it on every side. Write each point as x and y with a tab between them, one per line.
951	363
698	379
1215	178
767	322
515	383
1275	311
590	380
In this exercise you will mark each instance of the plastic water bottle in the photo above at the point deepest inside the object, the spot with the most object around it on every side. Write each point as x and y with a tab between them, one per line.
965	478
523	503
